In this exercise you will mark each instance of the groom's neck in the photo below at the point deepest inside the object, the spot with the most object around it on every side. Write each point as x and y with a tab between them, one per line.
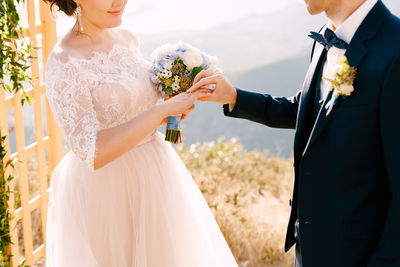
340	10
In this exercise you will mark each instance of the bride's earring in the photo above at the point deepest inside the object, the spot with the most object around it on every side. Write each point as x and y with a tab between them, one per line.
79	18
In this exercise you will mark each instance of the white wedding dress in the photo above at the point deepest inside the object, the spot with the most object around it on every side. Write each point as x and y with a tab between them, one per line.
141	210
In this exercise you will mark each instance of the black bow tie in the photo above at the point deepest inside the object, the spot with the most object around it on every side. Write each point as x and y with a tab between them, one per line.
329	39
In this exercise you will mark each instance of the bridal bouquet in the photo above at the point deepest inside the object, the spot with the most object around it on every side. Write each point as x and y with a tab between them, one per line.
174	68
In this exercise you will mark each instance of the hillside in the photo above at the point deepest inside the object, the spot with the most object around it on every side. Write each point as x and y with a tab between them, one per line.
284	78
250	42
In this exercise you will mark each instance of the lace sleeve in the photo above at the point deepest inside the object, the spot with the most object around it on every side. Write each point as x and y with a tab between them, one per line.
71	103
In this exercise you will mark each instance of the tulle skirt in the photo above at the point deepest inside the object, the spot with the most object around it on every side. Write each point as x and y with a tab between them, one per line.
143	209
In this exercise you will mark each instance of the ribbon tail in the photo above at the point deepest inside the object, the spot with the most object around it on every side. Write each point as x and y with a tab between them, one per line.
329	106
173	133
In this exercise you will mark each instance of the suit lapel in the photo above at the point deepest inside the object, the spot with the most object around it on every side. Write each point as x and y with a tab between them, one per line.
355	53
311	75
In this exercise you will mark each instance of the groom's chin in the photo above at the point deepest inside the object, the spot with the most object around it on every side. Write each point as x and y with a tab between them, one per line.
313	11
313	8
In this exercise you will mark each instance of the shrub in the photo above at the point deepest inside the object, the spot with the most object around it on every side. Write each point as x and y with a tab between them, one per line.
248	193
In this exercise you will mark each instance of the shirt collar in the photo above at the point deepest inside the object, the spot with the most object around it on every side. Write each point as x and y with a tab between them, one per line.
348	28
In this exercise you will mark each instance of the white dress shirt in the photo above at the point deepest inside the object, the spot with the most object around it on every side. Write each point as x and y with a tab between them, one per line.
345	31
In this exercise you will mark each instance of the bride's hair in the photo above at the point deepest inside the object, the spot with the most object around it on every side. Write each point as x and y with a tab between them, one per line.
66	6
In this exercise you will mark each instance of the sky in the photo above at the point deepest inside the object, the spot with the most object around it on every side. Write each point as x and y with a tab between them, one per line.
160	16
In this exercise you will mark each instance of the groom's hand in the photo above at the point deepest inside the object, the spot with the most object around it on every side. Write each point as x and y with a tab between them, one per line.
224	92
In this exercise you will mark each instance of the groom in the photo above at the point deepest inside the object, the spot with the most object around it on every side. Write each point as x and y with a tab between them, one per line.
346	200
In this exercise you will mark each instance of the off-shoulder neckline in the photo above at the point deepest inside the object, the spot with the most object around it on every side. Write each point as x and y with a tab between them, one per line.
96	53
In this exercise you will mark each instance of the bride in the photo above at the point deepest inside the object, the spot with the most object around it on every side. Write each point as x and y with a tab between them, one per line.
121	196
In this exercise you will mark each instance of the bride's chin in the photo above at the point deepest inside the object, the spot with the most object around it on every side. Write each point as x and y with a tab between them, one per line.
113	22
114	25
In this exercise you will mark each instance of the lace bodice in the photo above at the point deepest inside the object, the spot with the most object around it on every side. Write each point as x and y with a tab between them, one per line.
103	91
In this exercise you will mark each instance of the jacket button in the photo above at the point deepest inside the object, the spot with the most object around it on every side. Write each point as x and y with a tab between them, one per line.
307	222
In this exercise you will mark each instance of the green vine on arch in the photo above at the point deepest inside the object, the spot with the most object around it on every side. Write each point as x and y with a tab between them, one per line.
15	58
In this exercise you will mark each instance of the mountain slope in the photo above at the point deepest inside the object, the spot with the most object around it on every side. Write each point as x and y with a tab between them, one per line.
284	78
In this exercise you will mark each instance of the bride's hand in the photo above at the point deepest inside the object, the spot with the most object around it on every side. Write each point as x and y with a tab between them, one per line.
183	103
184	115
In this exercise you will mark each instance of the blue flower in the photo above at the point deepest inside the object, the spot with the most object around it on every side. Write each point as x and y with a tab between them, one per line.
160	66
206	61
172	56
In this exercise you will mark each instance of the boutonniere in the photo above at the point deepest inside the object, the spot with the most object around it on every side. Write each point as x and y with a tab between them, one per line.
342	84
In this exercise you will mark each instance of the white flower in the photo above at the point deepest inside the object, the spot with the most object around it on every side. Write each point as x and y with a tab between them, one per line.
213	63
188	47
346	89
176	87
165	74
156	78
337	69
162	51
343	78
192	59
168	64
177	79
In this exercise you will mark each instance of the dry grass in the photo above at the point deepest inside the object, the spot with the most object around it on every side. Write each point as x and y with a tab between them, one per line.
248	193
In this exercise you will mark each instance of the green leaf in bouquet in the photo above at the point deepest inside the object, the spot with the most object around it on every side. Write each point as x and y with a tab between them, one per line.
169	90
196	70
182	63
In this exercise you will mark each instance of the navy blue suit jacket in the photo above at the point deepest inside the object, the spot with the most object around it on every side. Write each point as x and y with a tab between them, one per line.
347	171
